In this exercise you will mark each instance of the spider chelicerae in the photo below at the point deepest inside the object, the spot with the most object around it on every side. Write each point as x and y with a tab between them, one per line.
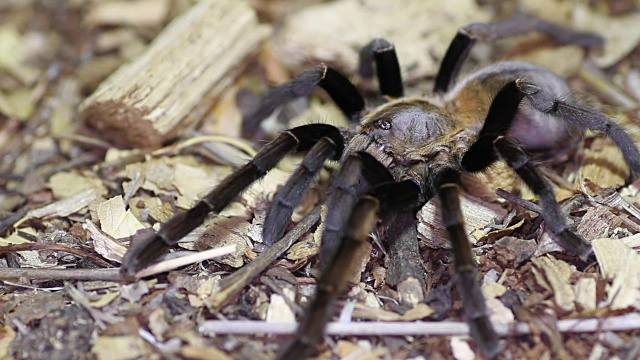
405	152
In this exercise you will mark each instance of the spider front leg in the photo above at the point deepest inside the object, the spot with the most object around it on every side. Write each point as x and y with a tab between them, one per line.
145	250
467	36
448	188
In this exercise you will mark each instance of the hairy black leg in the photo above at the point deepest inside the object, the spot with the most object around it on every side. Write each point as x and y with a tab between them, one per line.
467	36
448	188
553	216
357	172
150	247
545	102
333	280
280	211
387	67
499	119
339	88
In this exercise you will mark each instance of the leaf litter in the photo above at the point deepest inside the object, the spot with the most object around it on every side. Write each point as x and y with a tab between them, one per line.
98	207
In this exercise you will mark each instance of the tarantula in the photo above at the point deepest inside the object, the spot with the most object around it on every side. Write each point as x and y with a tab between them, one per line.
405	152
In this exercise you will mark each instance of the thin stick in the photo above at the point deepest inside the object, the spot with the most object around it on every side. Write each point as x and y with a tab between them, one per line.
615	323
233	284
62	274
12	219
175	263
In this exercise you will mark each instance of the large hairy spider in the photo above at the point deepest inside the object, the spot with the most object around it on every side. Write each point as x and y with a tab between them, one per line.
405	152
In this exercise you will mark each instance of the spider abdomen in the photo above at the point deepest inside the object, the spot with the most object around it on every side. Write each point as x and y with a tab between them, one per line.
534	130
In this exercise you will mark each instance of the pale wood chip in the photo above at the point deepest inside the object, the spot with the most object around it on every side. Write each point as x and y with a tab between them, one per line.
585	289
622	263
557	274
599	221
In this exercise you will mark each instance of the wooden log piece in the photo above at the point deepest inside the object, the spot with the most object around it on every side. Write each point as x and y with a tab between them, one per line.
176	80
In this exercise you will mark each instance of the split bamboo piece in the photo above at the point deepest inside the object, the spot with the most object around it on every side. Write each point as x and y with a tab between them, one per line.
176	80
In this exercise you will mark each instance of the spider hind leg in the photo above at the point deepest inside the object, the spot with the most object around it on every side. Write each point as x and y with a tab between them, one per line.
586	118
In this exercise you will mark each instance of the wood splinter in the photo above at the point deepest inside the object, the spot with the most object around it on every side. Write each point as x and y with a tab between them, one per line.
176	80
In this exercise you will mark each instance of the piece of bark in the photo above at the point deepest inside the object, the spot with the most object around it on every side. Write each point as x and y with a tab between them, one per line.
171	86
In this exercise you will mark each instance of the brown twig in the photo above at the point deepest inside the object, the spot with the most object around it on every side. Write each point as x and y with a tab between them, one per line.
53	247
12	219
233	284
62	274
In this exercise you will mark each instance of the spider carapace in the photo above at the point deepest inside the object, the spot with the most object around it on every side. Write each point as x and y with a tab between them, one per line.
405	152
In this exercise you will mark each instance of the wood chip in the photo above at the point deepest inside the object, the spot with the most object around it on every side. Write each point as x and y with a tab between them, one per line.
556	274
598	222
622	264
65	207
174	82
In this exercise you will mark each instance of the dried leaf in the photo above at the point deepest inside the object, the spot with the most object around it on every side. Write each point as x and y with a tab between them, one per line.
603	165
104	244
203	353
307	247
491	289
105	299
64	184
13	57
119	348
192	183
115	221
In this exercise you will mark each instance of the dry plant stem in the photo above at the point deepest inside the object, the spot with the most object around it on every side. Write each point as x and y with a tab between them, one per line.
53	247
62	274
594	77
172	85
628	322
233	284
175	263
12	219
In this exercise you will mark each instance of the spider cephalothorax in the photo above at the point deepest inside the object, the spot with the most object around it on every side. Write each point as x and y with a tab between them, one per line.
403	153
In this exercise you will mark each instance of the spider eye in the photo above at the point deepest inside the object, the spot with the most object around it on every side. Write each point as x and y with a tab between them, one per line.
384	124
